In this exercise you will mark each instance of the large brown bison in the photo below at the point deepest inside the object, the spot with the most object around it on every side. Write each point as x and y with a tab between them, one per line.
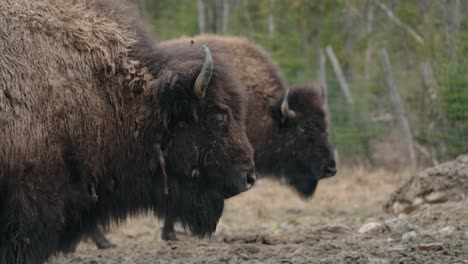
286	126
97	123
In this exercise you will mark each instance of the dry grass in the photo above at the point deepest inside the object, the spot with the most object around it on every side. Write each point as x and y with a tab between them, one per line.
354	192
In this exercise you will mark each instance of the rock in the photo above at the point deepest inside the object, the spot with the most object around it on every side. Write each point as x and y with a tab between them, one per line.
402	208
374	260
403	216
466	234
243	238
398	248
410	236
431	246
418	201
437	197
269	240
335	229
399	225
288	225
447	231
370	227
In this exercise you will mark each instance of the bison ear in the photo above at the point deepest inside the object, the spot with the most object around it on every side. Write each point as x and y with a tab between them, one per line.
204	77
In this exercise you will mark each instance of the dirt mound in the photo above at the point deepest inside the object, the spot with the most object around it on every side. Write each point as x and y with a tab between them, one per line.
445	182
434	218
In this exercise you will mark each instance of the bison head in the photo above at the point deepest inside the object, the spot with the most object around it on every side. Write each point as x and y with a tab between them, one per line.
208	156
298	146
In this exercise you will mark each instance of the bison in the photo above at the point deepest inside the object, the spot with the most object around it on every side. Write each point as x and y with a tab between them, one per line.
286	126
98	123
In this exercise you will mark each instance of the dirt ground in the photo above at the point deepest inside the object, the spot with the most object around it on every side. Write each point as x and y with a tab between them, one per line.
271	224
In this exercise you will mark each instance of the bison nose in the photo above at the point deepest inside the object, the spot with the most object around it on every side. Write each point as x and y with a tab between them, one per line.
330	169
250	178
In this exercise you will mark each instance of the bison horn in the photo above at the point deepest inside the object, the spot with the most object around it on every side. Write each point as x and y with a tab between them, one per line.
204	77
285	111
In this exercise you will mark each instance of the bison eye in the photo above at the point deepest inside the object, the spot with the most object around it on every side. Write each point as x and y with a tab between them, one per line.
219	118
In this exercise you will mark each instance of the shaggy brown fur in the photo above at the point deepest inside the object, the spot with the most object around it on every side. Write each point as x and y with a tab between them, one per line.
93	115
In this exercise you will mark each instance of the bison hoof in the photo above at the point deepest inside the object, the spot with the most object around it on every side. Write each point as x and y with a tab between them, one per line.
105	245
169	236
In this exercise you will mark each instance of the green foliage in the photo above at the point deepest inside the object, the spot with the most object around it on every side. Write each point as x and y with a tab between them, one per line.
454	97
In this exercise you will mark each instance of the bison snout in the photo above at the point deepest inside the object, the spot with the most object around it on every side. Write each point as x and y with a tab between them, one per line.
330	169
241	178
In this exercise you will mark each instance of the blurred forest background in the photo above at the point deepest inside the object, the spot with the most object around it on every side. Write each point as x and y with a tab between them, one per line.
396	71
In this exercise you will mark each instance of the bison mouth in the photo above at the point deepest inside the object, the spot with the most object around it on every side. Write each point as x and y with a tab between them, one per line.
232	179
303	180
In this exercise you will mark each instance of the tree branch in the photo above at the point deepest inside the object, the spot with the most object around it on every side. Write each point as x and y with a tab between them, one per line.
397	21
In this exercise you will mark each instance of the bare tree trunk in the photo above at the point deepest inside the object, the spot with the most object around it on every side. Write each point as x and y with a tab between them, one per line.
322	74
306	49
271	20
339	74
201	16
436	119
369	14
452	14
210	16
399	23
398	106
144	9
348	40
246	13
271	24
425	7
225	17
429	80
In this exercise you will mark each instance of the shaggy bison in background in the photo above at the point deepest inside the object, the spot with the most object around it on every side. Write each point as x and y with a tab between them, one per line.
97	123
286	126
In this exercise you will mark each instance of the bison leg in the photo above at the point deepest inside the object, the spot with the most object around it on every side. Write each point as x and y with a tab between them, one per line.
101	240
168	233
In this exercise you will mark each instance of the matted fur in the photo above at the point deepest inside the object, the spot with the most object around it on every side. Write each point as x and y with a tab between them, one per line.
93	114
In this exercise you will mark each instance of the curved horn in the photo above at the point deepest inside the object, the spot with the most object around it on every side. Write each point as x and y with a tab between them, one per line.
204	77
285	111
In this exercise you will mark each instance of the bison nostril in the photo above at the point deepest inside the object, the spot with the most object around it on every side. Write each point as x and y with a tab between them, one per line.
330	169
250	178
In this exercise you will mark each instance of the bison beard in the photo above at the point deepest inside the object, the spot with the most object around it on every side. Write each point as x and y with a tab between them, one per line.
97	123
